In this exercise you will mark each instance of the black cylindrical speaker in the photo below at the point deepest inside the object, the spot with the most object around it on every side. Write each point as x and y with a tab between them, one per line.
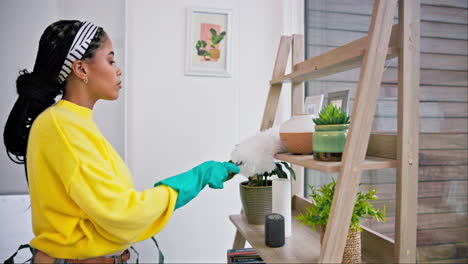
274	230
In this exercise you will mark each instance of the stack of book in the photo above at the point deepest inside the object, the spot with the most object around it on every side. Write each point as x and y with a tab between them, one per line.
243	255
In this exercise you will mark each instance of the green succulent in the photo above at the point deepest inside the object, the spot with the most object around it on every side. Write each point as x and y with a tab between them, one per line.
215	38
322	197
332	115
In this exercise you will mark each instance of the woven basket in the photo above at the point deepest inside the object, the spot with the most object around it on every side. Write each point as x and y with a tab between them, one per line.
352	251
256	202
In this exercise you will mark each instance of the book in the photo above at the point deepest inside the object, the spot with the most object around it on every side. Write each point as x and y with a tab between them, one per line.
237	250
247	259
243	255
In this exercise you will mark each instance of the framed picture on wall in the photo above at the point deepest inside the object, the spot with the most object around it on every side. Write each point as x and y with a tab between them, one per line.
209	35
339	99
313	105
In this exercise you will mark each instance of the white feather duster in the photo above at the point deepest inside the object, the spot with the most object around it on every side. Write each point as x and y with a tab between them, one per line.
256	154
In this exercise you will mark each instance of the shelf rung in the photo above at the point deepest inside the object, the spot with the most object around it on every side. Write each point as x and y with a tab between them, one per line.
307	161
343	58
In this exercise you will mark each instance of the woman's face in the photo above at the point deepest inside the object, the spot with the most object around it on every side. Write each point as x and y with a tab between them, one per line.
104	74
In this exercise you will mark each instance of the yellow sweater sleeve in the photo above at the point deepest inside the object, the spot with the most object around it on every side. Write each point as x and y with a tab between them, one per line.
120	214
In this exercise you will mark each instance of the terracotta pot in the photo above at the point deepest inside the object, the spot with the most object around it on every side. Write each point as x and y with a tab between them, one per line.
256	202
296	134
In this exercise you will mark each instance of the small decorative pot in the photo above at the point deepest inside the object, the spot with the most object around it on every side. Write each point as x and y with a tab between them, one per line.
256	202
296	134
329	141
352	251
214	53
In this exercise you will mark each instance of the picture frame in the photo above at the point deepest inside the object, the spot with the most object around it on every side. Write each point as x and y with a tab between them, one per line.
208	42
313	105
339	99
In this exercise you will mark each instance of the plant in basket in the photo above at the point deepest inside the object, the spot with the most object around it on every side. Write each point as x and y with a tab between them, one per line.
317	216
330	133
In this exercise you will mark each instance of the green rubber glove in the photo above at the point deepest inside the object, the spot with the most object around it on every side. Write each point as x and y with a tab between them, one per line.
190	183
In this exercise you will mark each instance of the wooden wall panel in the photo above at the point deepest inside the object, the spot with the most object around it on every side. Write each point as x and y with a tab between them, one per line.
425	221
426	124
443	171
438	10
427	93
428	206
331	38
425	189
448	253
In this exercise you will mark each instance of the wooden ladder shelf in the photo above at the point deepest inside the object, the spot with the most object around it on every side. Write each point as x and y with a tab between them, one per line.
384	41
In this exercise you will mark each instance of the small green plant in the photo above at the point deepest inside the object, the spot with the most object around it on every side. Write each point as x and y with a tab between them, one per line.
262	179
215	38
201	44
322	198
331	115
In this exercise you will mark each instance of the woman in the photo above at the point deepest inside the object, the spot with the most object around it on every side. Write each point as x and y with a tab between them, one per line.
83	204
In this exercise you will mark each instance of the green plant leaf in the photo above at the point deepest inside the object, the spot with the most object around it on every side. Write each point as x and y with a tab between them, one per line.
322	199
262	179
331	115
213	32
291	171
279	171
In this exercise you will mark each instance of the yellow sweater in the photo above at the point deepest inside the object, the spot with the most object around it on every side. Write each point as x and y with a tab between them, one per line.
83	203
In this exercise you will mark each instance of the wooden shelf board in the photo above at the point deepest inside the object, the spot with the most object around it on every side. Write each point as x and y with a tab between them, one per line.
302	247
304	244
343	58
307	161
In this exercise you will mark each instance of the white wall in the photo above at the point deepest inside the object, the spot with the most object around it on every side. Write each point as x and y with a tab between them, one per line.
22	23
176	122
18	49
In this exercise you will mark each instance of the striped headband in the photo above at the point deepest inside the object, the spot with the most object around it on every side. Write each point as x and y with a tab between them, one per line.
80	44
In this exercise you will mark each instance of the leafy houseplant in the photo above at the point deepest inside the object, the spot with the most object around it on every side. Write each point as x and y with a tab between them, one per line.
215	40
330	133
318	214
200	44
256	193
255	157
262	180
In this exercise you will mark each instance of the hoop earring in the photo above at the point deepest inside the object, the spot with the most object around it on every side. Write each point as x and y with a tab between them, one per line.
85	80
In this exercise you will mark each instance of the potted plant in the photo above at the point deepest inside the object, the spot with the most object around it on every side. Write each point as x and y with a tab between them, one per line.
200	44
202	53
330	133
317	216
215	39
256	193
255	156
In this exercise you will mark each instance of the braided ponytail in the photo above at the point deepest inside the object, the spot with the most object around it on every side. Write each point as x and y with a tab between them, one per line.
37	90
35	95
